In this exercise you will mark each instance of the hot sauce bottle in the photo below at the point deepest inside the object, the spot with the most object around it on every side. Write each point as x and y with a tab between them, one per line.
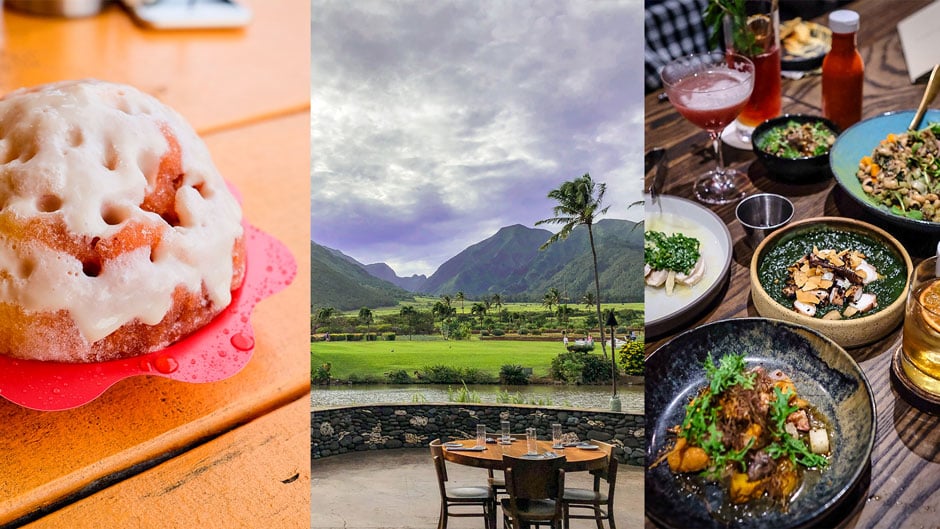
843	72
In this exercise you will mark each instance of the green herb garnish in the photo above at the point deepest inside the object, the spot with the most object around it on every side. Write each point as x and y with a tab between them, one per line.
670	252
795	140
699	426
701	414
785	444
744	41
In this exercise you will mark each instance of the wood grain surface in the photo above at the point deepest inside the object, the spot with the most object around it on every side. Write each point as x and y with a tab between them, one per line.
253	476
247	93
904	487
576	459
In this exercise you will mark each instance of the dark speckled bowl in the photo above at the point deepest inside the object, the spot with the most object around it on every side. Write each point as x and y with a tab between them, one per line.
808	169
824	374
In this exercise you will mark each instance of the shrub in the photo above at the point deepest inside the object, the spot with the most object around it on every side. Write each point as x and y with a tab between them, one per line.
499	332
523	331
472	375
595	369
352	337
580	368
399	376
513	375
355	378
580	347
632	358
337	337
320	374
389	336
441	374
484	333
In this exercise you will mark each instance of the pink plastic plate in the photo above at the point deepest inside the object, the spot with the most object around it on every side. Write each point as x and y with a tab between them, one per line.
215	352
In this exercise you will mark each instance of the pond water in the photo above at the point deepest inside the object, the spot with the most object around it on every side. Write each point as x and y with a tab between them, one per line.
587	397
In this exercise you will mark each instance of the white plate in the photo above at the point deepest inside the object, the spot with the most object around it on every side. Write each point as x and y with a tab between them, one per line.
664	313
730	136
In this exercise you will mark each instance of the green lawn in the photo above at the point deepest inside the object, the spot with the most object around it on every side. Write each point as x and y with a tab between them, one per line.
379	357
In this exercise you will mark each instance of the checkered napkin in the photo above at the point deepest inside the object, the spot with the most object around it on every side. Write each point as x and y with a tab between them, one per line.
673	28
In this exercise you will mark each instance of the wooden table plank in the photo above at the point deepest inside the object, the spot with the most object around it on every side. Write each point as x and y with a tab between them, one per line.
50	456
904	490
257	475
215	78
492	458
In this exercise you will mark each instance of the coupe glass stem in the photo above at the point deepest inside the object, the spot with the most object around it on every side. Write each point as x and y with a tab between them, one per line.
719	158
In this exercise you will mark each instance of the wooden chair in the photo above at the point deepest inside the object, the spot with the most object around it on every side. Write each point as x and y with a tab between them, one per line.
535	488
467	496
498	482
597	500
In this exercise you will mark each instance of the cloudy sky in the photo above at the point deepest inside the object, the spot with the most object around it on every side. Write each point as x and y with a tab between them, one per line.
434	124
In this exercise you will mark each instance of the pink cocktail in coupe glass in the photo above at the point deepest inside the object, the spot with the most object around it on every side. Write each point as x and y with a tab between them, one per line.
710	89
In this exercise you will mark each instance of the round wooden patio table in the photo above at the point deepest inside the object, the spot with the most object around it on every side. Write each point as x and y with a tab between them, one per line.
577	459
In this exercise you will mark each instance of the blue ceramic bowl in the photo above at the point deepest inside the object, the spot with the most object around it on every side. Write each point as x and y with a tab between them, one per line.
860	140
824	374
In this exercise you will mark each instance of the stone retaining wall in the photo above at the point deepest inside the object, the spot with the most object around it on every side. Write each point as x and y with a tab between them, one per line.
373	427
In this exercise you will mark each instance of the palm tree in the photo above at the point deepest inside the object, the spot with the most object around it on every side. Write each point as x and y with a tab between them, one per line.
480	310
366	318
588	300
445	299
496	301
579	204
461	298
444	312
551	299
407	314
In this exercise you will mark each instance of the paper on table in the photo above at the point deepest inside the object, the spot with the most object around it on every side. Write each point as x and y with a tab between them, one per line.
920	41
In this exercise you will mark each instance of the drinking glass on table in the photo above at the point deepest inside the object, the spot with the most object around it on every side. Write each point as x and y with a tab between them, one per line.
504	439
755	34
920	342
481	435
531	441
556	436
710	89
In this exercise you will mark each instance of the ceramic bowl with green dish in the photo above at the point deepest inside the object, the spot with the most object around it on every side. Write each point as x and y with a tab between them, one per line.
824	374
859	141
784	247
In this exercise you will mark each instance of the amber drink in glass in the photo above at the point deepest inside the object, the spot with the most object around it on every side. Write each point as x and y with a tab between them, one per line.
920	344
757	37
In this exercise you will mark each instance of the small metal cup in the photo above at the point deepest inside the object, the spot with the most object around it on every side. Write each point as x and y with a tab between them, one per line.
761	214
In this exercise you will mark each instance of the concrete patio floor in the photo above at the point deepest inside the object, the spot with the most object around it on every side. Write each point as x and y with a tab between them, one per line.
397	489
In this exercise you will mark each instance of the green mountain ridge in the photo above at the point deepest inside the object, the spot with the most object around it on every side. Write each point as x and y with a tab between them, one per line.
341	282
509	263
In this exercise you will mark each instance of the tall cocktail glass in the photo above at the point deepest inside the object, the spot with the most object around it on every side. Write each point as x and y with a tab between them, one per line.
710	89
920	344
755	34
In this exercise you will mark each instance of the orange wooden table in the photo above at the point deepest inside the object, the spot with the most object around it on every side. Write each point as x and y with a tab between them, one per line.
152	452
576	459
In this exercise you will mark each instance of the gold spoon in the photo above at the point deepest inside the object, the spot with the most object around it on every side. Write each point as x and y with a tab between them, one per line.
933	86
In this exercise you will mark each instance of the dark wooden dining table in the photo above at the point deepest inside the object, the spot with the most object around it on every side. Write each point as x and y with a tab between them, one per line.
903	489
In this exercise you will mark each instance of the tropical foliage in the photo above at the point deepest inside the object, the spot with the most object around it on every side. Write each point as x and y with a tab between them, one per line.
580	203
